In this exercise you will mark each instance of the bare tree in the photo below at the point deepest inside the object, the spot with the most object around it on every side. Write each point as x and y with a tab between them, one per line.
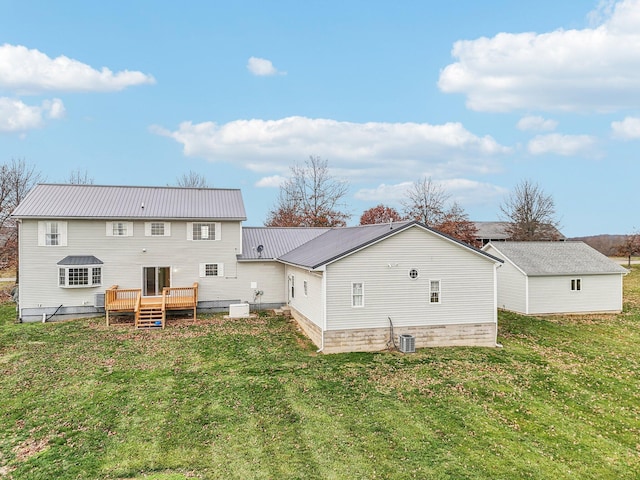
530	214
310	197
16	179
380	214
192	180
630	246
425	201
456	223
77	177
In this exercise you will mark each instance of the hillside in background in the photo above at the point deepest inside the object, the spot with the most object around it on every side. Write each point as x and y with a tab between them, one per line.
605	244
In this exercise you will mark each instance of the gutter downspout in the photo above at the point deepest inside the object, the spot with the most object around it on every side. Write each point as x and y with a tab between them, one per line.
324	308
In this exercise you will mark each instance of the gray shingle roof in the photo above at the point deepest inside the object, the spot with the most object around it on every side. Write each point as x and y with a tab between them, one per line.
124	202
274	240
556	258
339	242
496	231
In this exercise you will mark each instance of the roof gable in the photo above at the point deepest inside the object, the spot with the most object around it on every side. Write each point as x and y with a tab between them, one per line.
556	258
126	202
340	242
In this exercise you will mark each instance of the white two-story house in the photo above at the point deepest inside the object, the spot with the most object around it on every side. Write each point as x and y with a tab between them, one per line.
348	288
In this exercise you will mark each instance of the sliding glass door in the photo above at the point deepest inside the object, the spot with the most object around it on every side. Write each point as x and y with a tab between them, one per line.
155	279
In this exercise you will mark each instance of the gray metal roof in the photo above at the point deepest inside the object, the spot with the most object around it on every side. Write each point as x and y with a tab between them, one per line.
556	258
275	241
124	202
339	242
496	231
80	260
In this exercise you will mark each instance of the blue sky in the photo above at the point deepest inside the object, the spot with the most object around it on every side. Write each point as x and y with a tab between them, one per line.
476	95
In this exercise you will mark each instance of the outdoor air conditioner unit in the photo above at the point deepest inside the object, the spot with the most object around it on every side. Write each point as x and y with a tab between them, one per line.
407	343
98	300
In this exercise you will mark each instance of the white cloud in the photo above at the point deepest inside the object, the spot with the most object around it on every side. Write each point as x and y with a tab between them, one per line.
593	69
463	191
28	71
262	67
536	123
16	116
627	129
565	145
270	182
358	151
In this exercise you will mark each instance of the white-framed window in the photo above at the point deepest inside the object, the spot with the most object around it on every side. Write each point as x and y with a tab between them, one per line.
157	229
576	284
305	288
78	276
211	270
119	229
52	233
434	291
203	231
357	294
414	274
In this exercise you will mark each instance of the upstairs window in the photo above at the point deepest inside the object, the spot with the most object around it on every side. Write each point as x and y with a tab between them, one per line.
157	229
52	233
203	231
119	229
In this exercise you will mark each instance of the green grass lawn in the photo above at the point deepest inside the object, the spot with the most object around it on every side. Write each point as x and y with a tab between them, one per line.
251	399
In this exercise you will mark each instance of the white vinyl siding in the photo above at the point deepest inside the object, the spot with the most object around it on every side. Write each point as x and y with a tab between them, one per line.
211	270
512	286
467	278
52	233
157	229
203	231
552	294
119	229
311	305
124	263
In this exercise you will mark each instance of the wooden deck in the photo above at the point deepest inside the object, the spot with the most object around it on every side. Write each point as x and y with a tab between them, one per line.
150	312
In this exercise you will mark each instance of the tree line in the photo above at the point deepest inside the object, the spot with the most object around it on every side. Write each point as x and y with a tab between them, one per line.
312	197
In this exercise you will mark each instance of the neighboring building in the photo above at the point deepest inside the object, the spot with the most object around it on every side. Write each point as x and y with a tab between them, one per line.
347	287
350	286
496	232
556	277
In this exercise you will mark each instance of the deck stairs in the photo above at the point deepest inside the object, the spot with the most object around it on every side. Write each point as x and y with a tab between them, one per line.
150	316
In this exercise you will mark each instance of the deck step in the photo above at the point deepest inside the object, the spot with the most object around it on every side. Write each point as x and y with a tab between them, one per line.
150	317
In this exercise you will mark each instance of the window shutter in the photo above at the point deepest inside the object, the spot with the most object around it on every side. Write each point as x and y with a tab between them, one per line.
221	269
189	230
129	229
167	229
203	268
62	230
42	231
109	229
147	229
217	231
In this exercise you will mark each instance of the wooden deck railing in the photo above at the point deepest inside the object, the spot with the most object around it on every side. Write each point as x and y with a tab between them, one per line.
121	300
131	300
